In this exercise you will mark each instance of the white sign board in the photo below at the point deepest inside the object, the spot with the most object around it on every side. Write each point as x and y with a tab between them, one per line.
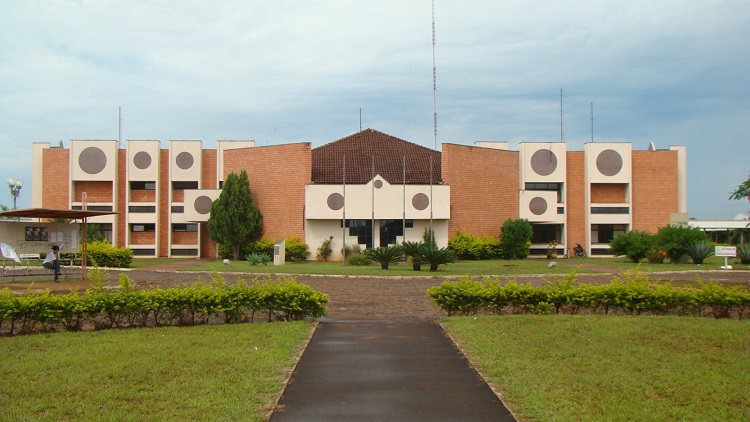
726	251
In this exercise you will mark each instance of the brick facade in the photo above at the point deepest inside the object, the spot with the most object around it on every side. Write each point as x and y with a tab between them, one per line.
655	194
612	193
484	188
162	245
575	199
278	175
56	185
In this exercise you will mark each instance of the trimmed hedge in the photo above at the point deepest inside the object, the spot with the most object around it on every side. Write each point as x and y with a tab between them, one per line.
216	302
630	294
102	254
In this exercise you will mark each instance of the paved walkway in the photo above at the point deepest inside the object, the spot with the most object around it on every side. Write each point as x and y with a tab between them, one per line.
385	370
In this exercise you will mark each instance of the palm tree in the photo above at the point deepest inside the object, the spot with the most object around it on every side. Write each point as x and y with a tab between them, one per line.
385	255
414	250
437	256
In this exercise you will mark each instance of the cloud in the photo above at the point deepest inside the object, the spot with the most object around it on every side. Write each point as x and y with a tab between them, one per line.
670	72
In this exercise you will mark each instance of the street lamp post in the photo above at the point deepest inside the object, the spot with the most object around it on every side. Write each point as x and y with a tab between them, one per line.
15	186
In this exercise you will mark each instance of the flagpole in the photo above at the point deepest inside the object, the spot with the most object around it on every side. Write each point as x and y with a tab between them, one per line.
372	181
343	215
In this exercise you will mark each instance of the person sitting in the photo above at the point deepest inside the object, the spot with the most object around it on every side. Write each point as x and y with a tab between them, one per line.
52	261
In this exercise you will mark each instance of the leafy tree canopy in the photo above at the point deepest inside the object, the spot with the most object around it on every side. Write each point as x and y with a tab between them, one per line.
234	219
742	191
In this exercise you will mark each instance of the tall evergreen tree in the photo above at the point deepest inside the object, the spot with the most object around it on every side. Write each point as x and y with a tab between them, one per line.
234	220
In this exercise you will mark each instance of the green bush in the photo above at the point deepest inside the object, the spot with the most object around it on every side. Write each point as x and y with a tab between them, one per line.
699	251
515	238
629	294
470	247
103	254
255	258
281	299
674	239
743	253
264	245
324	251
634	244
358	260
296	251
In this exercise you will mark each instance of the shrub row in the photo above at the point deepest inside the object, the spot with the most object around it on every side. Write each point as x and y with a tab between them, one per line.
631	294
101	253
200	303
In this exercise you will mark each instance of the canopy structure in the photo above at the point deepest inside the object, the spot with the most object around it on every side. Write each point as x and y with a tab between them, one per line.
67	214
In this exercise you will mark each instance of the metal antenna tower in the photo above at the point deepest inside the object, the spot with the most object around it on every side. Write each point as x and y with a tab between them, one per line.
434	79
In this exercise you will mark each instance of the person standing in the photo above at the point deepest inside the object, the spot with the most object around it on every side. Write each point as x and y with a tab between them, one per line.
52	262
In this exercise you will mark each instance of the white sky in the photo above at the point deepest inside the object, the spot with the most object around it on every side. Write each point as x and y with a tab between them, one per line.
672	72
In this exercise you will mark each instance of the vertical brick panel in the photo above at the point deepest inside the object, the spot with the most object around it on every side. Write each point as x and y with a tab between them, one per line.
484	188
575	202
121	224
164	207
208	177
278	176
56	178
655	189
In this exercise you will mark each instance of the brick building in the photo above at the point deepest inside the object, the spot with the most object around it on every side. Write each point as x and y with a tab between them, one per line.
369	188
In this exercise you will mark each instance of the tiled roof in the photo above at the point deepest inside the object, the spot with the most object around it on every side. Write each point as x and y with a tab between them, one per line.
389	153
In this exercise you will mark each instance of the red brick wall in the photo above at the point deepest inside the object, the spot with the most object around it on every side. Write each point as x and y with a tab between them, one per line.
208	177
484	188
207	246
178	195
184	238
121	206
164	208
575	199
615	193
56	178
142	196
142	238
278	175
96	191
655	189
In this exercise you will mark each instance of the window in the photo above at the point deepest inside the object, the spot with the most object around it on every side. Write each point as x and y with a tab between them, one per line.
144	252
143	228
184	252
142	208
184	227
555	187
610	210
362	229
184	185
93	207
604	233
545	233
142	185
178	209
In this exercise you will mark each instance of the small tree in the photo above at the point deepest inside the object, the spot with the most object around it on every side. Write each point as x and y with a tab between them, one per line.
324	251
414	250
234	220
515	238
634	244
742	191
384	255
674	239
437	256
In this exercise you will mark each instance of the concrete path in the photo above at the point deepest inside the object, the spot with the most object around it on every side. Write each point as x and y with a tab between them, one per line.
386	370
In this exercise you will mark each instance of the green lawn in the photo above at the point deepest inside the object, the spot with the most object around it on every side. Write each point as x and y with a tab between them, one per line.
487	267
143	262
222	372
592	368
